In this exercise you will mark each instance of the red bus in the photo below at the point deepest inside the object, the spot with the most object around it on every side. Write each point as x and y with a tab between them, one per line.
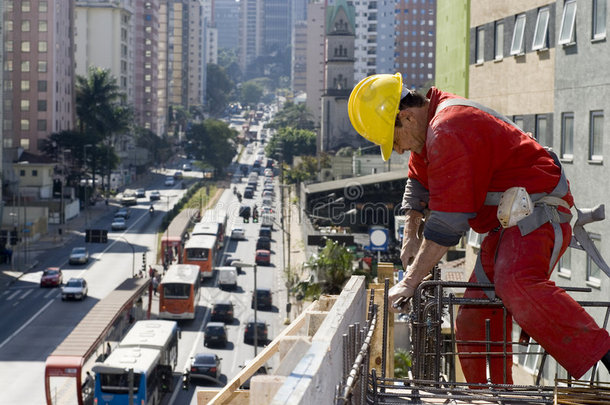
200	250
179	292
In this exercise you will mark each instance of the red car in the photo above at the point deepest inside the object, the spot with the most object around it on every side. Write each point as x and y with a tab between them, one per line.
51	277
263	257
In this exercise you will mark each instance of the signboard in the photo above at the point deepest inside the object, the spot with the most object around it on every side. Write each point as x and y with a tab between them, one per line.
378	239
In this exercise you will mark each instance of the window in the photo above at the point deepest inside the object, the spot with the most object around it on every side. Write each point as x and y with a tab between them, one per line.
42	66
25	125
42	86
25	105
499	40
41	125
599	19
8	46
516	47
567	135
42	26
8	85
8	104
542	30
9	25
480	45
25	6
25	85
34	173
566	32
9	5
518	120
25	144
25	25
531	361
542	132
596	126
25	46
25	66
565	264
42	6
594	272
42	46
42	105
7	124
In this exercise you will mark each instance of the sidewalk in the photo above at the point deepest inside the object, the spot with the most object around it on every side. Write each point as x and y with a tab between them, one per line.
26	254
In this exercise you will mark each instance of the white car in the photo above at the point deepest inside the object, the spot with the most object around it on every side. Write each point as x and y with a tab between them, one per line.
169	181
75	288
118	224
79	255
238	233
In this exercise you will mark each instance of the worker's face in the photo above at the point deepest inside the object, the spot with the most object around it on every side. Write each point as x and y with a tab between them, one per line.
410	130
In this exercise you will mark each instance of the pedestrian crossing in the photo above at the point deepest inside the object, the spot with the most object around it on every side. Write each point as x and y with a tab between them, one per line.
18	294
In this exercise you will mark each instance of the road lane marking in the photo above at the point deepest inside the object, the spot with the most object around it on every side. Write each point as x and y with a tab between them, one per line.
8	339
27	292
47	295
10	297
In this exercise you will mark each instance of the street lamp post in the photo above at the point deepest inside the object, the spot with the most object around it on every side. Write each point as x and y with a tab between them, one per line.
86	184
242	265
133	256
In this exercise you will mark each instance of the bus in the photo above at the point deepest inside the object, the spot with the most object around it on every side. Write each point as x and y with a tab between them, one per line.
213	222
179	292
200	250
141	367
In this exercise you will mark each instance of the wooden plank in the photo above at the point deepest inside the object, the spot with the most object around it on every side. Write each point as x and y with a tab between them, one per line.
229	391
375	358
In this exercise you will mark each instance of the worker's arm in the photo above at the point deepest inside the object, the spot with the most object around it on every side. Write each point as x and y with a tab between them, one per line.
411	240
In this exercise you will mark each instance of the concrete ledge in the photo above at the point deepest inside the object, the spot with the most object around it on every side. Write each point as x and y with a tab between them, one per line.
298	348
314	321
314	378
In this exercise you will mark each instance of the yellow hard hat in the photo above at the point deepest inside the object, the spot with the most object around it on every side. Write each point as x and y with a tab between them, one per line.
372	109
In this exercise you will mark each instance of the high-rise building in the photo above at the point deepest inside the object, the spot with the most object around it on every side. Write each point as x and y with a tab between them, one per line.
196	53
250	35
226	19
38	72
164	65
146	59
299	57
316	22
415	26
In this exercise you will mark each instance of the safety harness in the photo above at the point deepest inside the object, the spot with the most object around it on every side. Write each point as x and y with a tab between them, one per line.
545	209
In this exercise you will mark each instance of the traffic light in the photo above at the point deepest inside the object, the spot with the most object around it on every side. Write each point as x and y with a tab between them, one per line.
246	220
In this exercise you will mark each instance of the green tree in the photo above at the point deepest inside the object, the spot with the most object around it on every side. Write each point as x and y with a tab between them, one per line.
159	147
333	266
290	142
214	141
402	363
294	116
307	169
251	93
218	90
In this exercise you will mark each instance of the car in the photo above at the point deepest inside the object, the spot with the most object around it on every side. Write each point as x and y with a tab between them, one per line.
245	211
123	212
169	181
263	243
79	255
154	195
238	233
222	311
140	193
75	288
268	172
215	333
264	298
261	332
262	257
187	167
118	224
265	231
205	365
267	210
264	369
268	194
51	277
129	198
249	192
178	175
232	261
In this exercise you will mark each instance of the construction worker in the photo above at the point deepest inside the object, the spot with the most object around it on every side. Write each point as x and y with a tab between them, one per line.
470	167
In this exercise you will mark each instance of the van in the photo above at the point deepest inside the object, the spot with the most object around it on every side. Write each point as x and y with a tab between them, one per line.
227	277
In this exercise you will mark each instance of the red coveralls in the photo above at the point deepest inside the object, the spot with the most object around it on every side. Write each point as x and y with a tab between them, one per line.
467	154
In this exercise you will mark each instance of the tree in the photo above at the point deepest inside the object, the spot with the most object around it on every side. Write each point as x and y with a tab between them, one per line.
251	93
214	141
307	169
294	116
218	90
333	267
290	142
159	147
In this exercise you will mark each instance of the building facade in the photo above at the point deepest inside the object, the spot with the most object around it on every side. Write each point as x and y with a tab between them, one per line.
299	57
38	91
250	35
226	19
316	33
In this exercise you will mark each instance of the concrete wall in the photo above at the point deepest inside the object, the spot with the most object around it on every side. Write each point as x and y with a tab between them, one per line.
314	379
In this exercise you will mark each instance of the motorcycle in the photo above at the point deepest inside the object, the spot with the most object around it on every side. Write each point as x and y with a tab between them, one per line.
151	210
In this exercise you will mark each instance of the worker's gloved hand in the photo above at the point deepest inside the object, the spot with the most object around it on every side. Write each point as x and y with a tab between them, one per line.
399	294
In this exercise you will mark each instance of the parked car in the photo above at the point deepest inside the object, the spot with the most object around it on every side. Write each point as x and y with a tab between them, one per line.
178	175
129	198
263	243
75	289
123	212
264	298
261	332
263	257
264	369
215	333
79	255
140	193
222	311
154	195
265	231
169	181
205	365
51	277
238	233
118	224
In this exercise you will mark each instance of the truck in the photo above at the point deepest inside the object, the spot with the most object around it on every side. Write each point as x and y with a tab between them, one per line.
399	228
